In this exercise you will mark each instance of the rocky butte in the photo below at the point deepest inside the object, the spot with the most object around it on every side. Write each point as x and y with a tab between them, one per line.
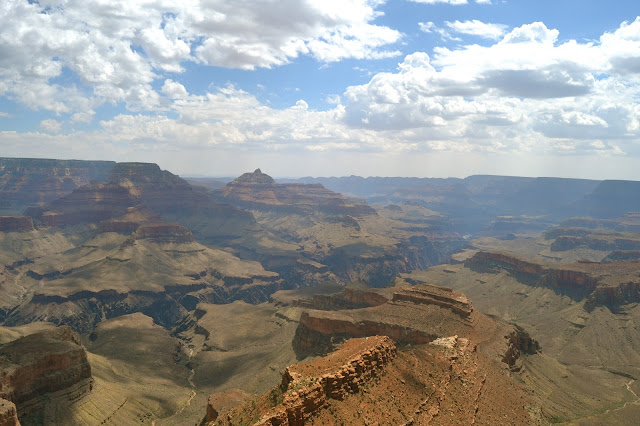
259	191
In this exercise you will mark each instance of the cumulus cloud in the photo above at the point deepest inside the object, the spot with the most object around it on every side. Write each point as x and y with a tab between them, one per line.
117	49
525	92
51	126
478	28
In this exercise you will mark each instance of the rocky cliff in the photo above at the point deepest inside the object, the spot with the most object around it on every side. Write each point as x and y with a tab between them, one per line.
16	224
436	295
44	368
259	191
565	278
414	315
8	413
164	233
30	181
306	388
614	296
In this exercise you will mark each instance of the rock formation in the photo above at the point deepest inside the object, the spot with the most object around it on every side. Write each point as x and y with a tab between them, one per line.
414	315
305	388
565	278
164	233
31	181
48	367
8	413
259	191
16	224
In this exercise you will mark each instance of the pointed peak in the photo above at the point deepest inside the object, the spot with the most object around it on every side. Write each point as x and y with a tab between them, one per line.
257	177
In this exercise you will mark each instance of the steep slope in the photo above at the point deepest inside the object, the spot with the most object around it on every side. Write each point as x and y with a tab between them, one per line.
584	316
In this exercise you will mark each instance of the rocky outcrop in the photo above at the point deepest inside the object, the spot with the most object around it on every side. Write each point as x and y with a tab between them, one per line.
319	334
349	298
31	181
164	233
16	224
42	368
518	342
306	388
614	296
567	242
622	256
415	315
260	192
88	204
534	273
8	413
436	295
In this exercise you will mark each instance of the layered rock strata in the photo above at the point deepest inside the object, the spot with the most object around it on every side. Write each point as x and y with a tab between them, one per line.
259	191
43	368
30	181
306	388
415	315
537	274
16	224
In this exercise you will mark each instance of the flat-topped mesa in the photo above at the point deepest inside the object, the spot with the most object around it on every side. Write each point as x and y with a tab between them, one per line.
308	387
164	233
416	315
16	224
436	295
8	413
143	174
259	191
31	181
49	367
568	277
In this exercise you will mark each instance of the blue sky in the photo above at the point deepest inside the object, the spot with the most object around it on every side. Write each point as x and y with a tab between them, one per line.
367	87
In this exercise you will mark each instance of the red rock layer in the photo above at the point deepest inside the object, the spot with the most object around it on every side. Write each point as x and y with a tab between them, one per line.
306	388
29	181
259	191
564	278
43	363
16	224
434	295
164	233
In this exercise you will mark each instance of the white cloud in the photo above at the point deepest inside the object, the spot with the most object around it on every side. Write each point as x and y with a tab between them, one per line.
525	92
430	27
478	28
174	90
118	49
454	2
51	126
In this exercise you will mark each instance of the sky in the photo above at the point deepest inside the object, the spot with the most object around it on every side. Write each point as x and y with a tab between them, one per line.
426	88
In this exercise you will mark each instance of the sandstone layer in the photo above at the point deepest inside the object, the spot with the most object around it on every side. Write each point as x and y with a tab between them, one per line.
414	315
44	368
31	181
259	191
306	388
8	413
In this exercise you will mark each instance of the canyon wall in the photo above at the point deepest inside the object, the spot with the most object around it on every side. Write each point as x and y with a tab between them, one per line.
43	368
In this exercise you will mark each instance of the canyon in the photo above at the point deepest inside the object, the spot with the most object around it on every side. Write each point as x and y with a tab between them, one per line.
131	295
